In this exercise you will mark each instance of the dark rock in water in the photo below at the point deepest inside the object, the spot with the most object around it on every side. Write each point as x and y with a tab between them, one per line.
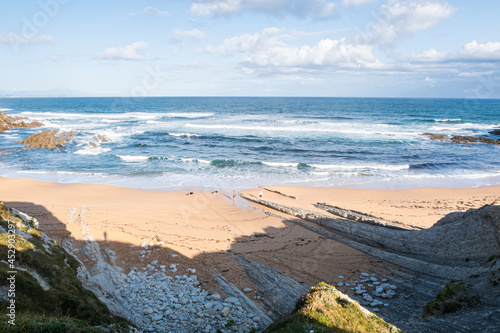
487	140
437	137
495	132
472	139
461	138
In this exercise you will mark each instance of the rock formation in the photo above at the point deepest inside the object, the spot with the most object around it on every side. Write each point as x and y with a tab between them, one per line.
7	123
463	246
461	138
47	139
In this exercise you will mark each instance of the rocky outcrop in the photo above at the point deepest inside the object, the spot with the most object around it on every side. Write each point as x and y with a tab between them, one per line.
280	292
365	218
7	123
326	309
463	246
48	139
455	242
461	138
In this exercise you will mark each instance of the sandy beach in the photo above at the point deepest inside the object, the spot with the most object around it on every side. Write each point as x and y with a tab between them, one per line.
198	231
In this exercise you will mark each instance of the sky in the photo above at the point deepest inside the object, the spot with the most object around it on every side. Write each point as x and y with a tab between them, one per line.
342	48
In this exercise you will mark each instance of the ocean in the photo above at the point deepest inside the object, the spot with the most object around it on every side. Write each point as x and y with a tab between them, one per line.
241	142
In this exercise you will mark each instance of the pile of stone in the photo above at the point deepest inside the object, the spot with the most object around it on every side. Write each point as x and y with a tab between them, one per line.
161	303
371	289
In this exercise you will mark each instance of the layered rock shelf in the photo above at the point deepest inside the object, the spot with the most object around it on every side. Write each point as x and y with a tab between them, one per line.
48	139
462	138
7	123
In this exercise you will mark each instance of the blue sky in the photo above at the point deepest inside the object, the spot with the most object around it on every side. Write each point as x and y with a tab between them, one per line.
380	48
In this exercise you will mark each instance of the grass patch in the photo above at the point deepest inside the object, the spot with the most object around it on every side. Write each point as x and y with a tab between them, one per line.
324	311
453	297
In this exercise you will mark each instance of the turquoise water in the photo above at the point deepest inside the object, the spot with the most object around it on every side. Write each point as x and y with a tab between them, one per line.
169	143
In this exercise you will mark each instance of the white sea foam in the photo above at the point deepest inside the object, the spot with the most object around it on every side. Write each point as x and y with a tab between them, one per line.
10	136
279	164
447	120
305	129
129	158
188	115
91	151
358	167
180	135
108	116
1	110
195	160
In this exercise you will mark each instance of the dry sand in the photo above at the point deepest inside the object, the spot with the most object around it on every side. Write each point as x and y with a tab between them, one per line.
196	231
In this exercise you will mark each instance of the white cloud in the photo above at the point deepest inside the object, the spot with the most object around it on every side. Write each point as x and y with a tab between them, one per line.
195	33
269	49
257	42
431	55
156	11
12	38
353	3
319	9
477	51
401	18
470	52
134	51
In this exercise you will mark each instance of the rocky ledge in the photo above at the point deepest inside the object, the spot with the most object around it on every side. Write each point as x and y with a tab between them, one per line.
461	138
7	123
48	139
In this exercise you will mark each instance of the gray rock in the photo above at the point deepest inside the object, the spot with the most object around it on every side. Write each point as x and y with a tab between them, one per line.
148	310
231	300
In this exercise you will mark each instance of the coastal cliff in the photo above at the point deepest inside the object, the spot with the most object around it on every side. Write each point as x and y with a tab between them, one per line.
39	286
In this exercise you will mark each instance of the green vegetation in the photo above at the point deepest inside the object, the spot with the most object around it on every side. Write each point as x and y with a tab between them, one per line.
65	306
323	310
493	257
452	298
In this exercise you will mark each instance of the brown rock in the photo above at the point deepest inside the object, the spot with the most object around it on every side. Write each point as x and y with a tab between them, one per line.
437	137
47	139
7	123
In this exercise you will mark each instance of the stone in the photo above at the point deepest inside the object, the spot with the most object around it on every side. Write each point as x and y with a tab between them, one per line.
341	277
340	284
247	290
156	317
225	312
231	300
147	310
154	262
